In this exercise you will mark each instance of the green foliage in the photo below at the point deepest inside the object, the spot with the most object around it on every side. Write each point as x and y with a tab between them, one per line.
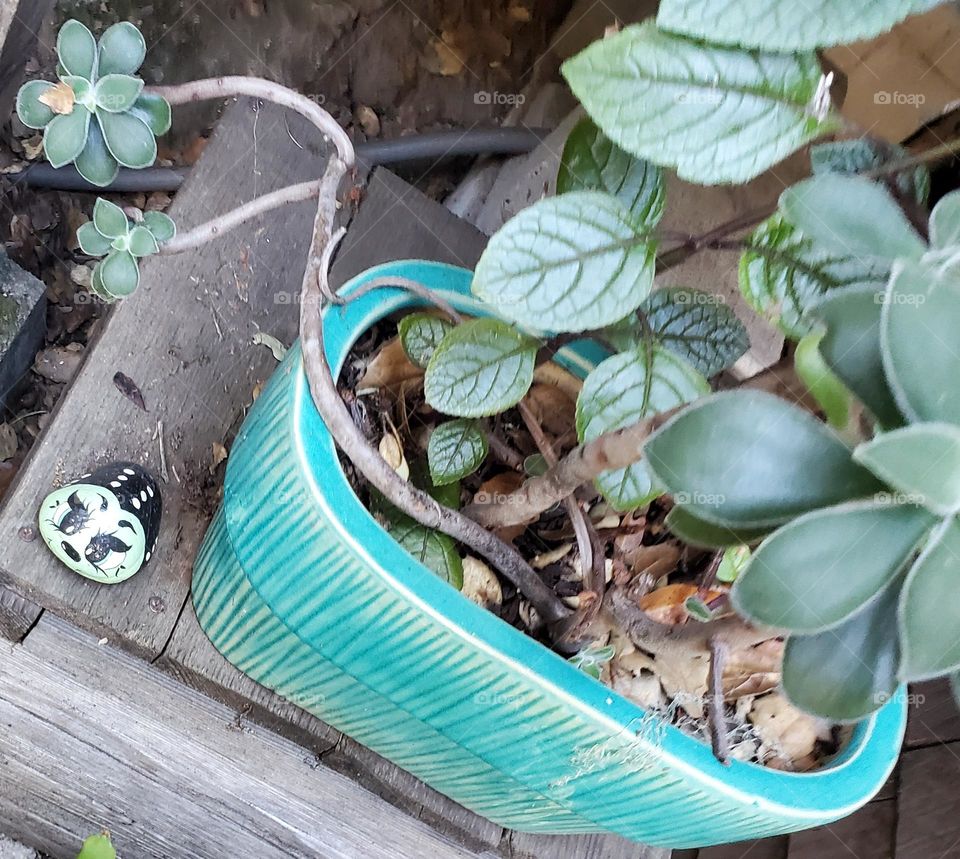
480	368
106	120
714	114
823	384
420	334
436	551
456	449
591	659
623	390
784	274
850	157
592	162
567	263
113	235
783	25
733	563
98	847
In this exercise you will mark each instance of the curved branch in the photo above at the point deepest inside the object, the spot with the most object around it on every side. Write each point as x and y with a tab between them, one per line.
233	85
415	503
218	226
617	449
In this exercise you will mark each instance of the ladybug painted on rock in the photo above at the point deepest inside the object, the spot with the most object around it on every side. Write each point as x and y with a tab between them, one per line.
104	525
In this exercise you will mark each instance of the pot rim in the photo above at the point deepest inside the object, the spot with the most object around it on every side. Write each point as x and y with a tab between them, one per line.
840	786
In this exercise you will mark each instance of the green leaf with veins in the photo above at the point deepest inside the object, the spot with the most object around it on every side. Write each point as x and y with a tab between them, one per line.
922	461
456	449
929	613
568	263
480	368
436	551
697	326
850	157
847	672
784	25
748	459
420	333
918	338
713	114
851	215
592	162
812	575
784	274
623	390
851	347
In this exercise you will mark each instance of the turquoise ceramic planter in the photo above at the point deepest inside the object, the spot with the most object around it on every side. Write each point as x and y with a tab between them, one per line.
299	587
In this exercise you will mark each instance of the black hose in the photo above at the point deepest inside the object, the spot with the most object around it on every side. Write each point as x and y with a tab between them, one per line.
432	146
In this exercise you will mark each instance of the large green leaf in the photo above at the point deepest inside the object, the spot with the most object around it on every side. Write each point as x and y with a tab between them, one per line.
697	326
623	390
593	162
128	138
708	535
109	219
568	263
851	347
713	114
847	672
851	215
945	222
77	50
34	113
119	274
918	339
456	449
784	274
420	333
820	569
436	551
749	459
861	154
95	163
922	461
116	93
930	608
122	49
783	25
154	112
480	368
65	136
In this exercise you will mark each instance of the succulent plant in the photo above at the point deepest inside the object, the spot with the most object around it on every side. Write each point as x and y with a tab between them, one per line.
111	234
97	116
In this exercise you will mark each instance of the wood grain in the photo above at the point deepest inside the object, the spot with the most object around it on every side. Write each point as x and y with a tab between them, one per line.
929	808
766	848
867	833
185	339
17	615
934	715
524	845
97	738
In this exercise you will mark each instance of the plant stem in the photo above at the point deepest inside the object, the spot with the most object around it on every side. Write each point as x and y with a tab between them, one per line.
617	449
234	85
410	286
716	713
212	229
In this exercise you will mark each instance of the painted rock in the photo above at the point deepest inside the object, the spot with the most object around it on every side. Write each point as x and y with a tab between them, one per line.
104	525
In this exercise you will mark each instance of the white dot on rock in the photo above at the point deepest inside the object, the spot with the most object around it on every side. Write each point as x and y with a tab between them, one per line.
135	502
129	471
115	484
143	495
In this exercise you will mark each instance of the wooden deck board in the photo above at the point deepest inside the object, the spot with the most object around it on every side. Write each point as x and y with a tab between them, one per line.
929	803
94	737
186	340
868	833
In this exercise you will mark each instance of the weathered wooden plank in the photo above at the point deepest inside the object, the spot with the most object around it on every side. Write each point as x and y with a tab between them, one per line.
17	615
868	832
934	714
524	845
19	22
97	738
929	807
185	339
766	848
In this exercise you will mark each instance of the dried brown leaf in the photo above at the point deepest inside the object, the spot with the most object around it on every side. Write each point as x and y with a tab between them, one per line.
59	98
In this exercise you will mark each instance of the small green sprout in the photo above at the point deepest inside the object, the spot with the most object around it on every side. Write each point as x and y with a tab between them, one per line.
122	241
591	659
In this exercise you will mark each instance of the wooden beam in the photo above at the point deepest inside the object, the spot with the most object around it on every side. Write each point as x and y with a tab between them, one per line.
94	737
929	813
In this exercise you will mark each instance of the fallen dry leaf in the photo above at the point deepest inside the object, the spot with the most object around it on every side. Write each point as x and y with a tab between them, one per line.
127	387
785	730
389	369
219	455
666	604
59	98
480	585
8	442
392	451
552	408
